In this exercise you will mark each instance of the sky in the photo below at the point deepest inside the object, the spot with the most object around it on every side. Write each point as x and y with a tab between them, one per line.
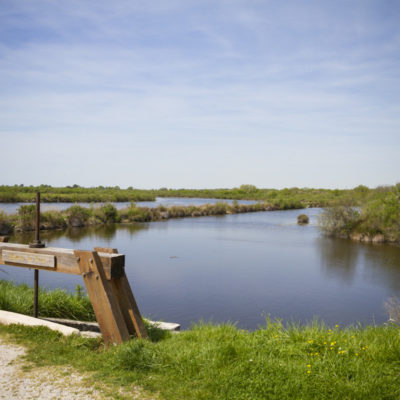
200	94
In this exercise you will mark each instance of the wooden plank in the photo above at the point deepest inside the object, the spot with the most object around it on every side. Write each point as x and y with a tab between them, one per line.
4	238
104	301
20	257
66	260
127	302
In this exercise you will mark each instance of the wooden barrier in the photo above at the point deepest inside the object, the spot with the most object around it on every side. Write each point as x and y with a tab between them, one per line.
103	273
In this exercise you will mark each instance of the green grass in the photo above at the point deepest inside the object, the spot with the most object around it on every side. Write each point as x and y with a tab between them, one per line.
52	303
223	362
218	361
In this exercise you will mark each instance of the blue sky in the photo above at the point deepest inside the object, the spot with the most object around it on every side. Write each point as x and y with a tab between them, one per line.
200	93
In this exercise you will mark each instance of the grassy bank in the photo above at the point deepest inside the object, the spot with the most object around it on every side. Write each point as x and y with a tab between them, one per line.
77	216
377	219
72	194
53	303
223	362
308	196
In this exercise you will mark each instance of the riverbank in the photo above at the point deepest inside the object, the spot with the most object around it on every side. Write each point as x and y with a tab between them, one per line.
376	220
222	362
308	196
77	216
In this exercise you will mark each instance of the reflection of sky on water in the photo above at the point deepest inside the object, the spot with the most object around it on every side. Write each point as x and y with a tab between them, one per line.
240	268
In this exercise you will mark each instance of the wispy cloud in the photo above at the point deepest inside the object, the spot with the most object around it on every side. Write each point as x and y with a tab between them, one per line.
249	85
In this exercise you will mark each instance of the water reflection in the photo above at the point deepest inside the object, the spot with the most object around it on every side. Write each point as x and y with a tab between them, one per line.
382	265
237	267
75	235
338	258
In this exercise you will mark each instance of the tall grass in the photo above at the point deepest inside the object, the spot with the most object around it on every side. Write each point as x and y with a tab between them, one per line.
52	303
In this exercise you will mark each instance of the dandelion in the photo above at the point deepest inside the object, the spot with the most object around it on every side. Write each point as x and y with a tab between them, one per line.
310	341
308	365
356	354
308	372
333	343
336	326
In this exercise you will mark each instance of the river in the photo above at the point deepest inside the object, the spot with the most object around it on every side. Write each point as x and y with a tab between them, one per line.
239	268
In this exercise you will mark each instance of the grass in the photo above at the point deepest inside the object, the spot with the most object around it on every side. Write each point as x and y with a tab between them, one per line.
223	362
78	216
52	303
218	361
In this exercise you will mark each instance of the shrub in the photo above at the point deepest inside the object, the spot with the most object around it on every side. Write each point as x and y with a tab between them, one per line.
339	221
26	217
6	226
107	213
53	219
302	219
77	215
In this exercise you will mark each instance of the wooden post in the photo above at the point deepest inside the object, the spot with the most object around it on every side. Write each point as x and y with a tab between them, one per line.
105	305
126	300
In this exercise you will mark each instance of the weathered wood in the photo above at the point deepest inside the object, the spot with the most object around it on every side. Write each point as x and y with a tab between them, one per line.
4	239
126	300
28	259
105	304
65	259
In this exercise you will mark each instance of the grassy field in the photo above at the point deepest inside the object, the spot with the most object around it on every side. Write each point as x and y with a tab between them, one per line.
221	361
308	196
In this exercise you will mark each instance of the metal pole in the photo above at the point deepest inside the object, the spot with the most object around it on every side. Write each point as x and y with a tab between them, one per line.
37	219
36	294
36	244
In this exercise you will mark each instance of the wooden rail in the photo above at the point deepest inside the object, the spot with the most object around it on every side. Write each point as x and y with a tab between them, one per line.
103	273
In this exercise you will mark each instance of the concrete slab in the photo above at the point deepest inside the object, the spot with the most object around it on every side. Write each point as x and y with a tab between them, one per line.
8	318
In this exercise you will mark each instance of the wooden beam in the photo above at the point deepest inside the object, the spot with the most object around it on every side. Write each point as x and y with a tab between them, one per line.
65	260
127	302
105	304
4	239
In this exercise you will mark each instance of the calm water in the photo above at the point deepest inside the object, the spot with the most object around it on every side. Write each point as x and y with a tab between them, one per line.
11	208
240	268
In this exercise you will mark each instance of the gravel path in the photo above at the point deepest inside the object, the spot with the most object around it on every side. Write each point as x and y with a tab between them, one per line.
38	383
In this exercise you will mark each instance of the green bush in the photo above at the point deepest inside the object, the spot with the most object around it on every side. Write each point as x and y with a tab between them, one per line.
106	213
6	226
303	219
26	220
53	220
339	221
77	215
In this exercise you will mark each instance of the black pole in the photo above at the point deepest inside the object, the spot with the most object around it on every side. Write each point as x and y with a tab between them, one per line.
36	244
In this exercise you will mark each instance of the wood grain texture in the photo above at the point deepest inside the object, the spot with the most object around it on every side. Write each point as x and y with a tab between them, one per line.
127	302
105	303
113	264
